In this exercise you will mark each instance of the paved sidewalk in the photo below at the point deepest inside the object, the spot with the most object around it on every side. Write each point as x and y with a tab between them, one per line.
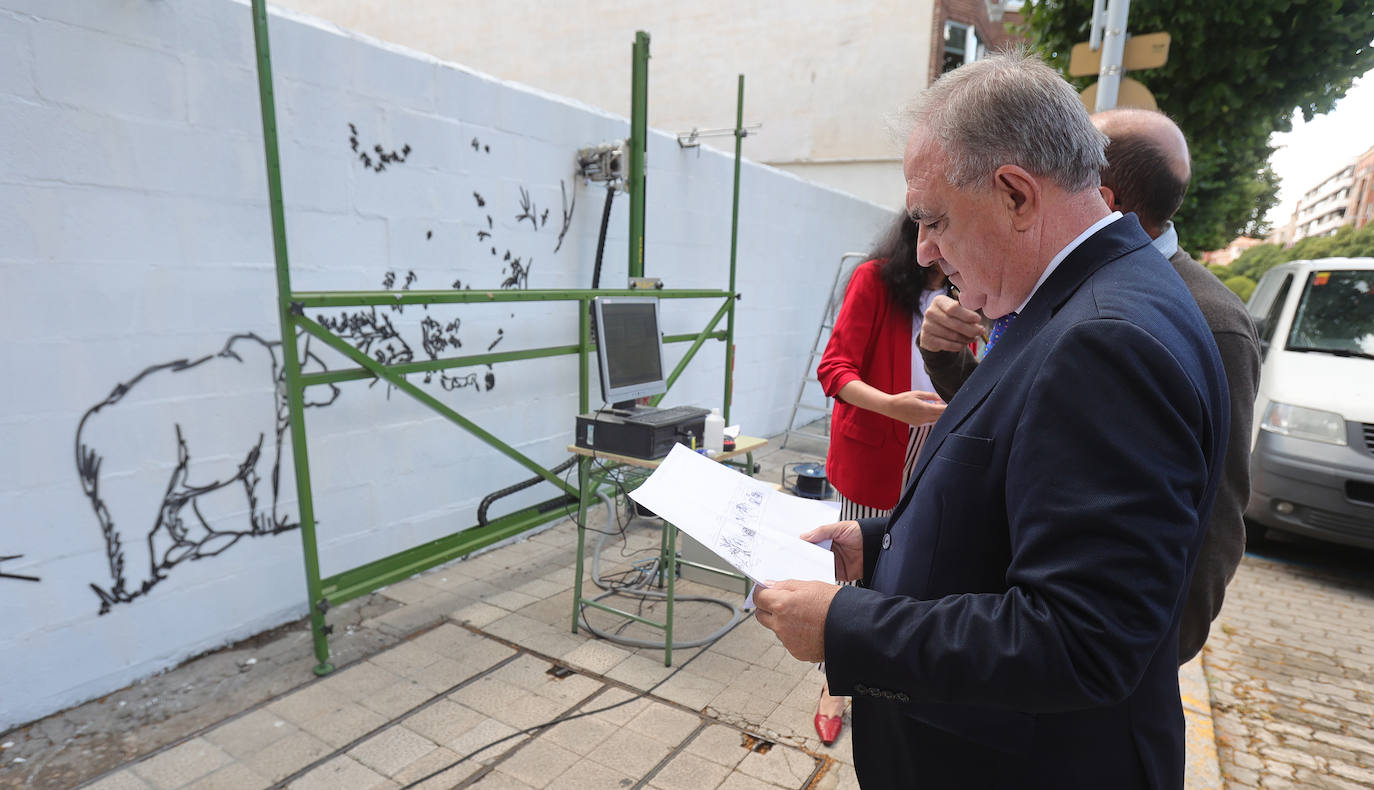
475	680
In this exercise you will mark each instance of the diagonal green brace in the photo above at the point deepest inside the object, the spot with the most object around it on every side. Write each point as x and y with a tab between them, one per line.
343	347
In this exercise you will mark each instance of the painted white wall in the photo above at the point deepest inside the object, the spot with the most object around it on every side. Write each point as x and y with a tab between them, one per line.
822	77
139	293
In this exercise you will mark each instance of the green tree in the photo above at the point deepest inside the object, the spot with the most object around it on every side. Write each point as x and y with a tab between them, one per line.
1236	73
1257	260
1241	285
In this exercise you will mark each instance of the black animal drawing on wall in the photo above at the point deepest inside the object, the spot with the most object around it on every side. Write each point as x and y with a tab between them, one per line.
223	477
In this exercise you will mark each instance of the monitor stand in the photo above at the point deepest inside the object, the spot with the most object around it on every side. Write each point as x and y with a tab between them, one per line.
624	408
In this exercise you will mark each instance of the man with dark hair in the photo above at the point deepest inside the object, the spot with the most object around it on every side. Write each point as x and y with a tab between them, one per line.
1147	173
1022	604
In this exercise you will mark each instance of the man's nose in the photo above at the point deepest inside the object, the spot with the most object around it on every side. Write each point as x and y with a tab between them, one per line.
927	251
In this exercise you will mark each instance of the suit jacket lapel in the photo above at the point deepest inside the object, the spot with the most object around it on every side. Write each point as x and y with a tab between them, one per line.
1108	244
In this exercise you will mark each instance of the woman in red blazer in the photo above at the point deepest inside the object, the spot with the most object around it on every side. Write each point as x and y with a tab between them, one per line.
884	401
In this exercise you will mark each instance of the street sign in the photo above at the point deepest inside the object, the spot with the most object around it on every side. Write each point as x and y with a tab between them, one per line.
1149	51
1130	94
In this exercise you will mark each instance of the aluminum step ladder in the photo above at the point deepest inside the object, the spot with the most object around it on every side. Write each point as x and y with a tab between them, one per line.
832	309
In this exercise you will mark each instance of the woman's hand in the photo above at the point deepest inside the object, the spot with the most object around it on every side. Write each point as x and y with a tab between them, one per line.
914	407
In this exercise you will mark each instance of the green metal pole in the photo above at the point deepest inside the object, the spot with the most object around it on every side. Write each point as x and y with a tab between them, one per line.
294	388
734	244
639	144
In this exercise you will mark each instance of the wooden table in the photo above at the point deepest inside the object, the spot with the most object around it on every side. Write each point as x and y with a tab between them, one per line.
744	446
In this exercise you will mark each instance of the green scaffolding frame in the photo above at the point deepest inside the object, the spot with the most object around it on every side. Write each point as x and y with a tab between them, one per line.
324	592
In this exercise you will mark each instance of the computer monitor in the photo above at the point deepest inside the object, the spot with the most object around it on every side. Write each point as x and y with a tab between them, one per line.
629	349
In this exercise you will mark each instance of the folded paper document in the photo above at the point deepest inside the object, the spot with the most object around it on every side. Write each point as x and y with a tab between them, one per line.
748	523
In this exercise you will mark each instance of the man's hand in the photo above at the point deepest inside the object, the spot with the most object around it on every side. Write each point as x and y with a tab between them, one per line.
846	543
949	326
914	407
796	611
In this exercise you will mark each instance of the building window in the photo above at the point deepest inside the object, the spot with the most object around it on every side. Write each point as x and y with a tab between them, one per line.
962	45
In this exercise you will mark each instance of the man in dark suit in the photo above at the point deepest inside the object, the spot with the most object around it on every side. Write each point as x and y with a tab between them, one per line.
1147	174
1021	610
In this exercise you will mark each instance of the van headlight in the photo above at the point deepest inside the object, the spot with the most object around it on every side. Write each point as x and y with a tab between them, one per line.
1303	423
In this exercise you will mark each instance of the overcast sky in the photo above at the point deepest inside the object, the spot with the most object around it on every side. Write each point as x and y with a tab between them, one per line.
1313	151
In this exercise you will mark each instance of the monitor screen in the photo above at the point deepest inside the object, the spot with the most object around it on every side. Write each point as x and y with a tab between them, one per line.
629	348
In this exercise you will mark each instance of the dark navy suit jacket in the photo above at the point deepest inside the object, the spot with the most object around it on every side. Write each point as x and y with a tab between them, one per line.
1019	622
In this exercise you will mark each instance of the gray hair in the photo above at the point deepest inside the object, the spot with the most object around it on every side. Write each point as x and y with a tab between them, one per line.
1010	108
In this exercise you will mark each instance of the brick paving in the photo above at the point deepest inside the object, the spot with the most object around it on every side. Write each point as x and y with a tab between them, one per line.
1290	664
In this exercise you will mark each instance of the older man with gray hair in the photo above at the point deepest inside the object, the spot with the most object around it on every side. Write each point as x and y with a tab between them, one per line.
1019	620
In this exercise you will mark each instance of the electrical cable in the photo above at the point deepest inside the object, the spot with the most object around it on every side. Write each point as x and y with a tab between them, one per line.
560	719
643	590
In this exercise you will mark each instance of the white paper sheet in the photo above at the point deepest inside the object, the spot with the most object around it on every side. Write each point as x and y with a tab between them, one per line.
748	523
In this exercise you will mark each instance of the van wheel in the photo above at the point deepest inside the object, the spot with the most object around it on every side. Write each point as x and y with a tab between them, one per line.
1254	533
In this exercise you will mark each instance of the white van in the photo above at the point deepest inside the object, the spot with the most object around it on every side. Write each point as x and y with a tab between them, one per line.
1312	450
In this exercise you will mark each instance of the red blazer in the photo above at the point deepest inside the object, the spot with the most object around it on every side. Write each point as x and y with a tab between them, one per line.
871	342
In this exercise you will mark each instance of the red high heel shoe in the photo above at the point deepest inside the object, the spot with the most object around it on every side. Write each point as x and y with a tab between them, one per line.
828	727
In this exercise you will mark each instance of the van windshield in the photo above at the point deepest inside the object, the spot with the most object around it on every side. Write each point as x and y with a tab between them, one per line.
1336	314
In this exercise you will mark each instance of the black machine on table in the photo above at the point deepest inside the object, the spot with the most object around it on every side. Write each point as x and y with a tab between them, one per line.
630	354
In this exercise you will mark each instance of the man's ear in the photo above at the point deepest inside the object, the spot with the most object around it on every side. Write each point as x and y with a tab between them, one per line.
1019	193
1109	197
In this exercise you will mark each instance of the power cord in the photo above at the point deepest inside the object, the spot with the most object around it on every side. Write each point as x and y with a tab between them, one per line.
562	718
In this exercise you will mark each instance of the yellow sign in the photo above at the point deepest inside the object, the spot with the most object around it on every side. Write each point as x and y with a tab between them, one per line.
1129	94
1149	51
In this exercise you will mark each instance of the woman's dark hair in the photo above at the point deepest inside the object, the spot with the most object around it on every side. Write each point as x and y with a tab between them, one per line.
904	277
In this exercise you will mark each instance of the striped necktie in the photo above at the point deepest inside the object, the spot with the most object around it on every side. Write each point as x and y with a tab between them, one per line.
998	327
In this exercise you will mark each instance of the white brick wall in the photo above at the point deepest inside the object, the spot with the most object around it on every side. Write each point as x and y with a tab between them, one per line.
134	233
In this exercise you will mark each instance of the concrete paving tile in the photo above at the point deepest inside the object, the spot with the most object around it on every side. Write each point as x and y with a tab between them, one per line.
740	706
406	620
360	680
639	672
749	642
182	764
665	724
397	699
301	706
251	733
538	762
579	735
234	776
544	588
689	772
342	772
719	744
344	724
589	775
392	749
406	659
617	706
486	741
409	592
741	781
478	614
510	600
124	780
690	690
629	751
807	692
444	674
533	674
443	722
287	756
507	703
499	781
839	776
796	725
767	683
781	765
450	771
596	656
535	635
717	666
